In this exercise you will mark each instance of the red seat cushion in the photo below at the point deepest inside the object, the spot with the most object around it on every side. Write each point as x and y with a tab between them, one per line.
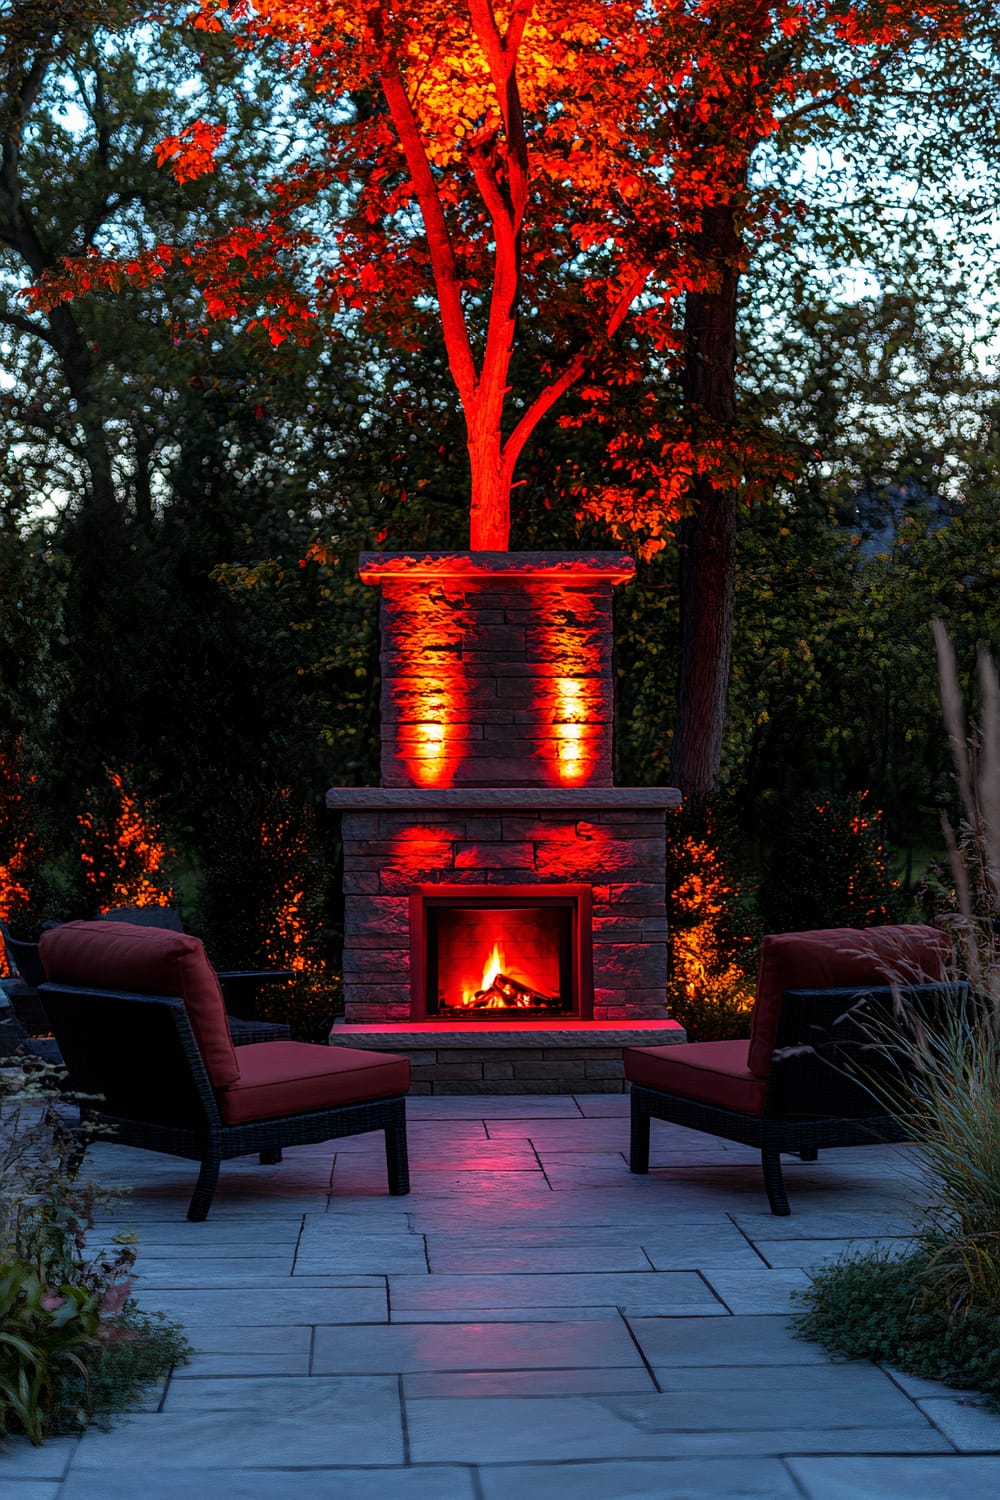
295	1078
835	958
148	961
711	1072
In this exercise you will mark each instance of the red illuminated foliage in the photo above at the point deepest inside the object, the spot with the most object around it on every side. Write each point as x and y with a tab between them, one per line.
121	847
505	165
708	973
19	847
284	851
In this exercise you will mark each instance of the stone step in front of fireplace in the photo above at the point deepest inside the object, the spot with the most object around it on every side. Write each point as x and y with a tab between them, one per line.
530	1057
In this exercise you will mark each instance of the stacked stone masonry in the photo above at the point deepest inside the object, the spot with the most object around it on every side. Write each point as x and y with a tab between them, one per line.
496	668
619	853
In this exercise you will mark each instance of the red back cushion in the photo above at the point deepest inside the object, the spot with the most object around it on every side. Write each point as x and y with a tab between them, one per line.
150	961
838	957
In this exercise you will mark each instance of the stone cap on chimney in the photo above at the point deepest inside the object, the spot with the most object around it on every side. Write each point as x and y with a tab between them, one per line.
563	567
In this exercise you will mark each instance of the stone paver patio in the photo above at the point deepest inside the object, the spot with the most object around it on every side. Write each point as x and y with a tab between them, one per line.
531	1321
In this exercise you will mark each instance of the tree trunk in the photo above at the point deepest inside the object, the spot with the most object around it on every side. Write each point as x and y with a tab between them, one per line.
708	535
489	510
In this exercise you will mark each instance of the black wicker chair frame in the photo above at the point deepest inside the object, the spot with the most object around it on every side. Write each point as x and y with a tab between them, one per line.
238	986
139	1056
835	1080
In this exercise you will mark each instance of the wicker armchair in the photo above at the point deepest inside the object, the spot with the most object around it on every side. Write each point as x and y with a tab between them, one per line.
139	1018
814	1072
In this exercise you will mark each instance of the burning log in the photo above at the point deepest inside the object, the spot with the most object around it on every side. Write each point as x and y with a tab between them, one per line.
507	993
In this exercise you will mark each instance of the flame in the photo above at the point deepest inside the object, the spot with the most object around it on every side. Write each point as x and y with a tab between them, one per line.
494	965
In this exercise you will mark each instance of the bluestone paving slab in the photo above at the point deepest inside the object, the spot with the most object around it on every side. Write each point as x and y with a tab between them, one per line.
746	1340
399	1261
567	1135
512	1429
284	1306
815	1223
466	1383
274	1362
178	1236
818	1252
972	1427
493	1107
474	1346
252	1338
31	1489
275	1396
481	1156
915	1385
666	1479
601	1105
523	1185
248	1351
466	1236
19	1459
509	1315
482	1259
433	1482
821	1403
842	1379
253	1273
689	1246
944	1478
756	1290
648	1292
355	1421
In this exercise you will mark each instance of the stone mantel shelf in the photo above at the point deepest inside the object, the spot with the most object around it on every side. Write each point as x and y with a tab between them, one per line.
499	799
561	567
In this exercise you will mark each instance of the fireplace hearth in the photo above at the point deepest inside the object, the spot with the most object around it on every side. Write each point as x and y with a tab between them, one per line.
504	900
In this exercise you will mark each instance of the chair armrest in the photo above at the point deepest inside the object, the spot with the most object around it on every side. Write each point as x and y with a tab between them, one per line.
240	988
254	976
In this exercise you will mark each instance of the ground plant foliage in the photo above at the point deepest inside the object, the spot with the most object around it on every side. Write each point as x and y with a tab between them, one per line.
897	1313
75	1347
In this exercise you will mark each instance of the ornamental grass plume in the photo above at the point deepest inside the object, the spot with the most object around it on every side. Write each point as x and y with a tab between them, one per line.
935	1311
960	1105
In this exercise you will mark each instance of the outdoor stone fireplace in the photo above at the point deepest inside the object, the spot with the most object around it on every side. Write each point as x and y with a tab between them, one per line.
504	900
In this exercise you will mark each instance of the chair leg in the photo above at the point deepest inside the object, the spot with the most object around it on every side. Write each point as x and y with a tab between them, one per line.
808	1153
201	1198
396	1160
271	1156
638	1154
770	1158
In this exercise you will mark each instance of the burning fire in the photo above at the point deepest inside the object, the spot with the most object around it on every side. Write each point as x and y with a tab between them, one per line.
500	988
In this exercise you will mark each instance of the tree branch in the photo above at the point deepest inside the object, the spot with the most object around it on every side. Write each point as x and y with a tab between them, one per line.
25	325
435	226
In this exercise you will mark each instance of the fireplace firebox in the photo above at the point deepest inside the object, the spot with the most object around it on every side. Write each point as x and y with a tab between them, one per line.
494	954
